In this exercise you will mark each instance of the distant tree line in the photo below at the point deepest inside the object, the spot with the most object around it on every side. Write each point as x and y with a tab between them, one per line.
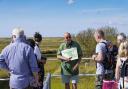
87	41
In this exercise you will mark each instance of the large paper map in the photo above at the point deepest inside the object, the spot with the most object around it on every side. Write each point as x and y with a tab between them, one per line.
70	53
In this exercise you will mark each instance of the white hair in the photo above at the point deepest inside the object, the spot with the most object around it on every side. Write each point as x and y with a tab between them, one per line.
18	32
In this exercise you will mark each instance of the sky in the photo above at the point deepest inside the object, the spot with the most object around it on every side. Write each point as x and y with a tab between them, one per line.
54	17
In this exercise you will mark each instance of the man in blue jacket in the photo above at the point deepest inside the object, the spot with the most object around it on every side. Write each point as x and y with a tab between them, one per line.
19	59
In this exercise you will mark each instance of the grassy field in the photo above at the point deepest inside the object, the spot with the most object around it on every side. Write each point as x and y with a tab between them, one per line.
85	82
54	66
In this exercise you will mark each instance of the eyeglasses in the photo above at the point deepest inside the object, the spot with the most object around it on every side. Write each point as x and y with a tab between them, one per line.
68	37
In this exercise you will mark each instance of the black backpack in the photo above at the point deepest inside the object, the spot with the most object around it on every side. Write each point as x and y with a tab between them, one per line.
124	69
108	61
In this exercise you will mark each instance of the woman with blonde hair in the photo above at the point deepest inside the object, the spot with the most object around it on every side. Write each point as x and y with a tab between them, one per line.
121	74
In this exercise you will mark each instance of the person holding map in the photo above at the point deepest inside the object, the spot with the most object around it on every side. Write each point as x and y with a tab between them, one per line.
70	54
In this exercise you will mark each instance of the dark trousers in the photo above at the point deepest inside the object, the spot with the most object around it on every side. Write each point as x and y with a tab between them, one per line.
41	74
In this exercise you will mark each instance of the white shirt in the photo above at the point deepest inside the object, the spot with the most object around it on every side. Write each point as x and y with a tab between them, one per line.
100	47
37	52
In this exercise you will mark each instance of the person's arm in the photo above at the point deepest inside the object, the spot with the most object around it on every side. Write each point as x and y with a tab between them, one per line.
36	77
3	64
99	56
39	56
59	55
63	58
33	66
80	54
117	70
77	64
37	53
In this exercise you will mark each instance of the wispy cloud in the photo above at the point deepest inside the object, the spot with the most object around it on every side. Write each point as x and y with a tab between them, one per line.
100	10
71	2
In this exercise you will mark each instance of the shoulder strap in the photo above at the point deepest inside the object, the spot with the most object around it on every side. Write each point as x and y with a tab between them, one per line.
105	46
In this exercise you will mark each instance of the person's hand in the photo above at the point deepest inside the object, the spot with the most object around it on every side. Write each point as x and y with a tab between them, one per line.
43	61
68	59
36	83
33	83
94	56
75	67
36	80
117	80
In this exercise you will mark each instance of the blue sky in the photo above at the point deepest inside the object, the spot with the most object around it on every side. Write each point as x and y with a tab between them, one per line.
54	17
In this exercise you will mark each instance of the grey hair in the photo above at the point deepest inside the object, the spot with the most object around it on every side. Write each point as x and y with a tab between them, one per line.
121	36
18	32
67	33
100	32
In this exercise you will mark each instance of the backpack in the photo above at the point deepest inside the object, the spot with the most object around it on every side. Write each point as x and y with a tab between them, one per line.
108	62
124	69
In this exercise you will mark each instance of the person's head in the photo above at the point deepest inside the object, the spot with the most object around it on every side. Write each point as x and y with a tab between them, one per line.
37	37
109	44
121	37
67	37
123	49
31	42
99	35
17	33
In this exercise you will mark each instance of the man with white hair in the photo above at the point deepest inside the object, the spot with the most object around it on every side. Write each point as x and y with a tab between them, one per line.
19	59
17	33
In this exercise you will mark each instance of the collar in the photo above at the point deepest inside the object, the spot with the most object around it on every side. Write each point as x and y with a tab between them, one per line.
20	39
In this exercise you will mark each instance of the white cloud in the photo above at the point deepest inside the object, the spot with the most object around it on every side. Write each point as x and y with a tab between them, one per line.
71	2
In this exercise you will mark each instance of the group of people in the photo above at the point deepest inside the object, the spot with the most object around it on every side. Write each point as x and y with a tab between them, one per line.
25	63
102	73
106	69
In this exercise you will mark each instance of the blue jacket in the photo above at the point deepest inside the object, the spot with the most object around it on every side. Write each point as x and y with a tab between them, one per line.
18	57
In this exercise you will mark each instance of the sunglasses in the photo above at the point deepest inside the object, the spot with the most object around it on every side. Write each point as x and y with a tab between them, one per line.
68	37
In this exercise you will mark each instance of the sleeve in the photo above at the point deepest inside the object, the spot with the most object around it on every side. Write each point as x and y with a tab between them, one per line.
99	48
80	54
3	64
59	50
32	61
37	52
